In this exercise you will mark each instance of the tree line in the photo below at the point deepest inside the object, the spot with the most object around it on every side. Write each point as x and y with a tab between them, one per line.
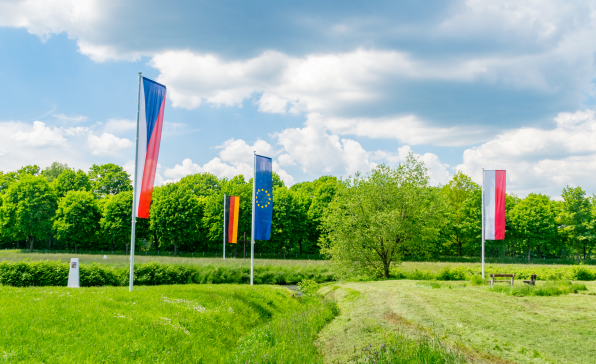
60	208
392	212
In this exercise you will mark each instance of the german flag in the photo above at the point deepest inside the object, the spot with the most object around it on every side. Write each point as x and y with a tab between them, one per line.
231	210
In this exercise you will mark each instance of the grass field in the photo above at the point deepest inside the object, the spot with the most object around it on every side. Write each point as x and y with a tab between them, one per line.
484	325
165	324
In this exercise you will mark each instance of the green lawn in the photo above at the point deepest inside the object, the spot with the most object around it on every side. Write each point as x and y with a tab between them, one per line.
487	326
163	324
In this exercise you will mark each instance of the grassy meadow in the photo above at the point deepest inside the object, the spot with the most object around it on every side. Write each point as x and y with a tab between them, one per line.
482	324
164	324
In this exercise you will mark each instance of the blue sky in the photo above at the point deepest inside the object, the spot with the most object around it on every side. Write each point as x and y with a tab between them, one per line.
323	88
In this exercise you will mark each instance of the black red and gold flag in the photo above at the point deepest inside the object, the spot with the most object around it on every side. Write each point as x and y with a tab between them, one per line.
231	212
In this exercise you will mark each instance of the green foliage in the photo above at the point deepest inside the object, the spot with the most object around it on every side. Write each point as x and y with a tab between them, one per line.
167	324
534	221
202	184
175	215
53	171
77	219
69	180
308	286
373	221
109	179
576	220
116	222
551	288
399	349
27	210
51	273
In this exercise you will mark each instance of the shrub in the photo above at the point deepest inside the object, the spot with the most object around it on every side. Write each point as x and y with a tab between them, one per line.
308	286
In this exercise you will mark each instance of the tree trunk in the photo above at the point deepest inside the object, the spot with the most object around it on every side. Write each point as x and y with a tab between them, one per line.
577	255
529	250
459	247
300	246
235	251
30	241
539	252
386	269
75	247
175	248
17	244
584	251
126	250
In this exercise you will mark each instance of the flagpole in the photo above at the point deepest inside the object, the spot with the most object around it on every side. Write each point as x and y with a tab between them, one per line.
224	229
482	223
252	230
134	195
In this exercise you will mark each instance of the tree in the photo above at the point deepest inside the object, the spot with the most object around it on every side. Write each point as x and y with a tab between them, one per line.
175	216
457	192
28	207
372	222
287	223
202	184
116	221
533	219
69	180
10	177
108	179
53	171
575	219
77	219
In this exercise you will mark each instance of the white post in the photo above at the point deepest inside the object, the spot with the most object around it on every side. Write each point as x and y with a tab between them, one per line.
73	273
224	229
252	230
482	223
134	196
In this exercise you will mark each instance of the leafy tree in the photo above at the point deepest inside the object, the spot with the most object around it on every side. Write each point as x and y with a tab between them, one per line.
175	216
575	220
457	192
28	207
287	222
212	222
69	180
202	184
109	179
116	222
533	219
32	170
53	171
77	219
373	221
10	177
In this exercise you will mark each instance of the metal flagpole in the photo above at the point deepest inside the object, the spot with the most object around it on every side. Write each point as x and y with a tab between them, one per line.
134	196
482	223
252	230
224	229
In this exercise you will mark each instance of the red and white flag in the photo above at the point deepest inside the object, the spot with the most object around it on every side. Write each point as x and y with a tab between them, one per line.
494	205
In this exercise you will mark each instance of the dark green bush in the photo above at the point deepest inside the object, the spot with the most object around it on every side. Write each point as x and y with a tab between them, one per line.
52	273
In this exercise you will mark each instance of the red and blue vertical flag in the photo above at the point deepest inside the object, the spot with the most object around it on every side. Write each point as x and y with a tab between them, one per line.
263	197
151	109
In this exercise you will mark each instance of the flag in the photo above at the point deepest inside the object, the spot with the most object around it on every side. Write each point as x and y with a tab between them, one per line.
231	212
494	205
263	198
151	109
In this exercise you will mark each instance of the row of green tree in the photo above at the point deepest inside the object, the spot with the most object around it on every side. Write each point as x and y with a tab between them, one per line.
60	208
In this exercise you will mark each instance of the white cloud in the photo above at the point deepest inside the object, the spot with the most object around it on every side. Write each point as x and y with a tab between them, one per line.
407	129
317	152
65	118
107	144
39	136
539	160
437	170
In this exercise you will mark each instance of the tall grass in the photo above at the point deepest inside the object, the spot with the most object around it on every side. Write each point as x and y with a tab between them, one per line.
165	324
400	349
555	288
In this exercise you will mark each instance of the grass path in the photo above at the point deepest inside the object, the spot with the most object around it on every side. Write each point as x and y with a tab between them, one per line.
529	329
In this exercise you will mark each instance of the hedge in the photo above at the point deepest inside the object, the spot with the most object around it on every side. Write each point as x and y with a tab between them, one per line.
55	273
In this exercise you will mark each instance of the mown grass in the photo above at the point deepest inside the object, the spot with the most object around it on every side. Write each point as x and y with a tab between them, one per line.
484	325
165	324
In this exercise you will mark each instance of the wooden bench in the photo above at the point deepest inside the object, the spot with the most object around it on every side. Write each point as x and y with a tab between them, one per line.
493	276
532	281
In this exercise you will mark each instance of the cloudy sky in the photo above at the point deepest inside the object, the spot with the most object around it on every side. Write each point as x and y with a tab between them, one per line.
329	87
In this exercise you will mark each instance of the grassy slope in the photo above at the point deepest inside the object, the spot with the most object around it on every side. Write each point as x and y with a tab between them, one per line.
175	324
523	329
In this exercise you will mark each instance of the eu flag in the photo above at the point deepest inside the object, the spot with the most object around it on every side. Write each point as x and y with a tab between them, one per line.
263	197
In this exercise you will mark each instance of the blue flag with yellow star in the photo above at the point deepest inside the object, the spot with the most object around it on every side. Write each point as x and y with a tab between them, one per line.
263	197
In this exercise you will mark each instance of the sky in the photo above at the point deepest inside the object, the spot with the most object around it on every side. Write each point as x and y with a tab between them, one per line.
324	88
